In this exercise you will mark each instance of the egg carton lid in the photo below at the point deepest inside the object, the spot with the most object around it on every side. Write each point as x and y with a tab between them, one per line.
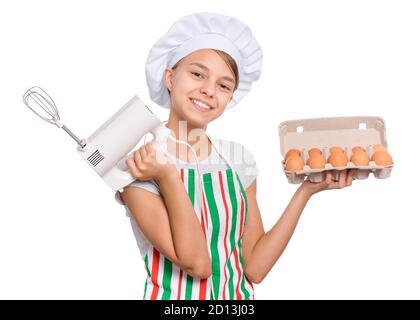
327	132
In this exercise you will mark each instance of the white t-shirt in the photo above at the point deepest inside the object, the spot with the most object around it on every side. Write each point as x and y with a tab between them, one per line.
240	158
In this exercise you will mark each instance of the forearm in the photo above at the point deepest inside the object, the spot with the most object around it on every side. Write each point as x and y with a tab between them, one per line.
188	237
271	245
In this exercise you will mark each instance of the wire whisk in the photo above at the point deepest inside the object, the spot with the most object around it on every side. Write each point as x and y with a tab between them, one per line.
41	103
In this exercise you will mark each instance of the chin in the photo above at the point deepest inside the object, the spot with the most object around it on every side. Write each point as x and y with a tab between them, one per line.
196	120
196	123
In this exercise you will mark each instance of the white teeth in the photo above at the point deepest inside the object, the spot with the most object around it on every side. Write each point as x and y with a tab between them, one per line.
200	104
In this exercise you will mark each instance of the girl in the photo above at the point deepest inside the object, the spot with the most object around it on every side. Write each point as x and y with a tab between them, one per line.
197	221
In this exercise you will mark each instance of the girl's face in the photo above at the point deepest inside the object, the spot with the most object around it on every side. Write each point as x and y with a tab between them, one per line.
200	86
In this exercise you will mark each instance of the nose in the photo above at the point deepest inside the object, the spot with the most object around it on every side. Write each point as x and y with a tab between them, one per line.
208	88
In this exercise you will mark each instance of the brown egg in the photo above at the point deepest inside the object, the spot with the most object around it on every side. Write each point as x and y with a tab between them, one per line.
379	147
360	158
358	149
336	149
314	152
292	152
338	159
316	161
382	158
294	163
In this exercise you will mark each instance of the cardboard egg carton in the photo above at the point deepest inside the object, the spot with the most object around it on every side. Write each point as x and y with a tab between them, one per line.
323	133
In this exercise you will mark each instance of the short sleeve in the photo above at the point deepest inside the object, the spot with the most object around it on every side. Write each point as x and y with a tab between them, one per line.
149	185
242	160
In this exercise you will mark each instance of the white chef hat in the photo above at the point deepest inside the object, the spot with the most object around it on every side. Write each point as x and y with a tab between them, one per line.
204	31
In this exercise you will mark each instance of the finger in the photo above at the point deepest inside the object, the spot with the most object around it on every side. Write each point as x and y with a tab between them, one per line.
149	148
133	168
350	177
328	177
334	185
342	178
143	153
137	158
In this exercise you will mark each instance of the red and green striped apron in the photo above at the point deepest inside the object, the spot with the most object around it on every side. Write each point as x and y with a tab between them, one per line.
222	219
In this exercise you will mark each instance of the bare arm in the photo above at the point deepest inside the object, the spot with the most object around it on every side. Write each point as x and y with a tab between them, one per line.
261	250
169	222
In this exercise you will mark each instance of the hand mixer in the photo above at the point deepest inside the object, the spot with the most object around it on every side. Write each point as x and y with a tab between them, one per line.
107	148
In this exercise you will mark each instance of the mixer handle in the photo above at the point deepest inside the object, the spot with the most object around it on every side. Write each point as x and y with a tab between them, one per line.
160	134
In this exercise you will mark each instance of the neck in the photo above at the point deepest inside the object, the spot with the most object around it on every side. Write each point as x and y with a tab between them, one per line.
195	136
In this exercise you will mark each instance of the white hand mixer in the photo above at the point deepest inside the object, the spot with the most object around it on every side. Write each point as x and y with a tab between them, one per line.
107	148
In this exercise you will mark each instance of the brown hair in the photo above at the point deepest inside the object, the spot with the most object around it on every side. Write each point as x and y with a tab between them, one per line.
231	65
229	62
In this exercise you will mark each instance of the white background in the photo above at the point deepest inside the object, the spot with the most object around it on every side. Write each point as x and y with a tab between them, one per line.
62	235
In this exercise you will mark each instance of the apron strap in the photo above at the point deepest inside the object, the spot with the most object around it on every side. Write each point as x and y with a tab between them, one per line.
216	147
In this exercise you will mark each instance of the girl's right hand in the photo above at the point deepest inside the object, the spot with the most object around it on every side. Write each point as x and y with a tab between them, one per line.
149	164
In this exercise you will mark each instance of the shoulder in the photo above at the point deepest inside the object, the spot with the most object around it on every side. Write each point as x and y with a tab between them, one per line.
236	152
241	158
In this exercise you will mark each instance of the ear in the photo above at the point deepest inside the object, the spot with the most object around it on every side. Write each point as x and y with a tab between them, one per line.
168	74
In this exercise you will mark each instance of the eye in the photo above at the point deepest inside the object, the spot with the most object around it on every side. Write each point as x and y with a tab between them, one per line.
224	87
196	74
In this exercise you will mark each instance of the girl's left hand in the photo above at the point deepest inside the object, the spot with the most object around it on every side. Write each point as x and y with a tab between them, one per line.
345	179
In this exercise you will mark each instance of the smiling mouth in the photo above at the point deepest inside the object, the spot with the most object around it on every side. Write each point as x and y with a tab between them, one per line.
201	106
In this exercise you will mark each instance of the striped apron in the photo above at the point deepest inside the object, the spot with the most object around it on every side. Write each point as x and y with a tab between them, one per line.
222	219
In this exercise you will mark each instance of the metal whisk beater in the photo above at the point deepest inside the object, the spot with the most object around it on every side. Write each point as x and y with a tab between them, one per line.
35	99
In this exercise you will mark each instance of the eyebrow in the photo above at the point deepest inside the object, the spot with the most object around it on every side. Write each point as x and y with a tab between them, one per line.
202	66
